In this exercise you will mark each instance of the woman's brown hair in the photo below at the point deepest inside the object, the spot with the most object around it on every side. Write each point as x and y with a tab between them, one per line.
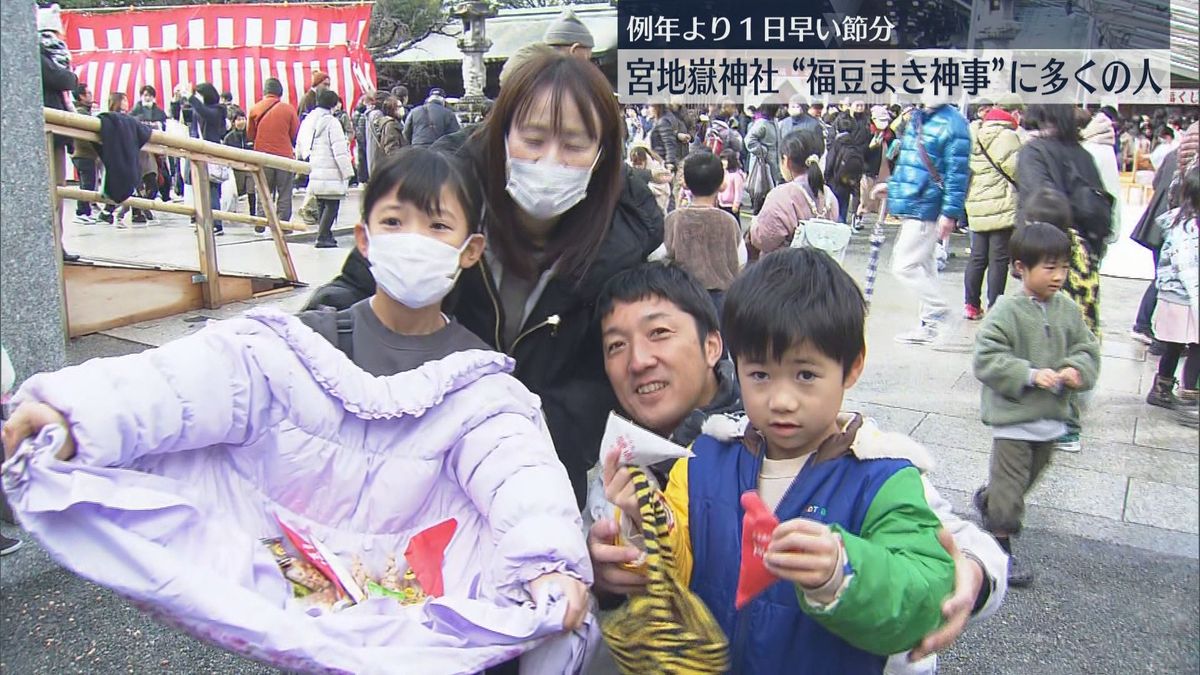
581	230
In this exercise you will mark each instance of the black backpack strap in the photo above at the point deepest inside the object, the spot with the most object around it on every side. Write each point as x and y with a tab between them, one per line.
336	326
345	332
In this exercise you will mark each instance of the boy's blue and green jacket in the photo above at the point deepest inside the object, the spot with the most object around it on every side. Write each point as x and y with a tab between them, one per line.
866	486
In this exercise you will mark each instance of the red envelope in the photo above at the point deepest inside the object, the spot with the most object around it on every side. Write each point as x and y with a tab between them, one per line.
425	553
757	526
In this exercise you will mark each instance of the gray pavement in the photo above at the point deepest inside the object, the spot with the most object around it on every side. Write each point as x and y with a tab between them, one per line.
1112	531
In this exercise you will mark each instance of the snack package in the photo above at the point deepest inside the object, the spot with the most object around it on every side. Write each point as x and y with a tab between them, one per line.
635	446
757	527
326	563
308	583
405	589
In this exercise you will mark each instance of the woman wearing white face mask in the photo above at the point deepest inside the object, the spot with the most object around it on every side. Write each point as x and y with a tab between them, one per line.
562	216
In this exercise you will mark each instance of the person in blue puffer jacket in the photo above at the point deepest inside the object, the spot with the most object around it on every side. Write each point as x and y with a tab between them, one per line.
928	190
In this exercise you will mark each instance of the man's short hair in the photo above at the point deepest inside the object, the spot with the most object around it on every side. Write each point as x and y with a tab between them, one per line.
273	86
148	90
791	297
400	91
1036	242
703	173
663	280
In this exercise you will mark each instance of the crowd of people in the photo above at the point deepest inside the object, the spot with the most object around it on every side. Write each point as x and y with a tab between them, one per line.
514	257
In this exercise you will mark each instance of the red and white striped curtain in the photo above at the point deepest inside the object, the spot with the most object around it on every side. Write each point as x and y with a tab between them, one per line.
235	47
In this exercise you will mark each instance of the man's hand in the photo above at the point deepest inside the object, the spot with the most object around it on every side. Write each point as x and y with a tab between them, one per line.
574	592
608	561
805	553
30	418
618	487
1047	379
945	226
968	578
1070	377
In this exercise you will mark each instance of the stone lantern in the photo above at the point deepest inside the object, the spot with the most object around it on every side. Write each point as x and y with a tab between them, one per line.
473	44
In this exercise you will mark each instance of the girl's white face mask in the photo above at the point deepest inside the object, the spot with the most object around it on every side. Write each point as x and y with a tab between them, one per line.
414	270
544	189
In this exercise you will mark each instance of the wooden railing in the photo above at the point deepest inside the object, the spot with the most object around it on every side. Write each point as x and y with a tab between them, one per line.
200	154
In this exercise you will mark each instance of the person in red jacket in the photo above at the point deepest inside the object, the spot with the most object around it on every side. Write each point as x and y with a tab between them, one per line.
272	129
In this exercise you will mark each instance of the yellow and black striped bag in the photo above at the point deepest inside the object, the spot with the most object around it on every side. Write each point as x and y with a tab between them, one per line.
668	629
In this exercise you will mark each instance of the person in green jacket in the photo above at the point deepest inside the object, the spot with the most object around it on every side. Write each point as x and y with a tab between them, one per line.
991	203
1031	353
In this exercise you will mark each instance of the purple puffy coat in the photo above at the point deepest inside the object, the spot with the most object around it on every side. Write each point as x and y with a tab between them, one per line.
186	452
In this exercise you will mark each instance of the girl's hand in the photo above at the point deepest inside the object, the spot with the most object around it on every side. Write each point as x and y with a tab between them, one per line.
574	592
27	420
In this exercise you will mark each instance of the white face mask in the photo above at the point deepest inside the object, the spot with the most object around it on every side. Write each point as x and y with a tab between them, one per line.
545	190
414	270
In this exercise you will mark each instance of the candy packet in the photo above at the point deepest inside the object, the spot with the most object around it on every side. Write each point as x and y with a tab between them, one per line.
634	446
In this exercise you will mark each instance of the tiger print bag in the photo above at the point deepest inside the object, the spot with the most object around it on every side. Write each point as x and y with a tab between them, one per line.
668	629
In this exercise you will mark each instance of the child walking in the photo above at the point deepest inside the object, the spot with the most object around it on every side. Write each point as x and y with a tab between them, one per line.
1082	286
1175	315
1032	353
702	238
861	573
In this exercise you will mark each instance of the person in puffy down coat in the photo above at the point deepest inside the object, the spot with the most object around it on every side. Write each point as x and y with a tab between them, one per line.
927	191
991	206
157	474
323	143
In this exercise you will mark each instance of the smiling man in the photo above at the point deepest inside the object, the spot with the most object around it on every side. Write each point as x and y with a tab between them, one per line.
663	356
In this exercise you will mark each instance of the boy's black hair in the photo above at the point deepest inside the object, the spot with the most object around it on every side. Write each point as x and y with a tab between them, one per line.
148	89
790	297
238	113
665	280
417	175
702	173
1037	242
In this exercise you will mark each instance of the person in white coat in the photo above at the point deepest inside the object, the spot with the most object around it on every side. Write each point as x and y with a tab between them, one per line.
322	142
1097	136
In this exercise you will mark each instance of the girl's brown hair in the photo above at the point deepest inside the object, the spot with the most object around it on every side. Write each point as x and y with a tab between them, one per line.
580	231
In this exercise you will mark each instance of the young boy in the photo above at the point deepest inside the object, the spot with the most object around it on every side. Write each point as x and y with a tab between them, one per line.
861	571
1031	352
701	237
236	138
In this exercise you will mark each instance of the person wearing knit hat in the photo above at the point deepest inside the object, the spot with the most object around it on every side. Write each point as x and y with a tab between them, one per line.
320	82
567	34
991	207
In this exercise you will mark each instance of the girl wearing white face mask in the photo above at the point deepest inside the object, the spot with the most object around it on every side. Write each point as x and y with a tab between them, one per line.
420	229
561	217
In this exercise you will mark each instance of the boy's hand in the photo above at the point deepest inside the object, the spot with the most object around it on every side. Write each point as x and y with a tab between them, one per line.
1070	377
1047	379
805	553
618	487
956	610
